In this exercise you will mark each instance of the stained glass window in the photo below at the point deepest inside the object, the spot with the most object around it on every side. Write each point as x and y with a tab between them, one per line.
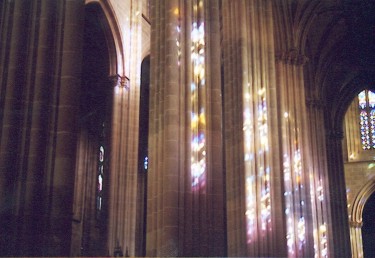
99	191
366	102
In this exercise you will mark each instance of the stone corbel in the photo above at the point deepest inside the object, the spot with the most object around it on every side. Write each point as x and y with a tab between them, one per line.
292	56
120	81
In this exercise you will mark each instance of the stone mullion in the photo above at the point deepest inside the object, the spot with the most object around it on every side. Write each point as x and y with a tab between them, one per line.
337	194
63	137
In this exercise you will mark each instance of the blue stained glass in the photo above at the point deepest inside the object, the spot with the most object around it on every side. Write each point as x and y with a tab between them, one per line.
362	99
372	122
365	132
366	100
371	99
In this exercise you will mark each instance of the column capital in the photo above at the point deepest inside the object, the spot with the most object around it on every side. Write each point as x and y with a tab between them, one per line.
119	81
356	224
292	56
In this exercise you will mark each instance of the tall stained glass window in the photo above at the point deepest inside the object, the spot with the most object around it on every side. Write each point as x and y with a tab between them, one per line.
99	195
366	101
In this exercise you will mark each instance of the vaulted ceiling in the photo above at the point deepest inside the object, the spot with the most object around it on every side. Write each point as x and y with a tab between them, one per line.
340	45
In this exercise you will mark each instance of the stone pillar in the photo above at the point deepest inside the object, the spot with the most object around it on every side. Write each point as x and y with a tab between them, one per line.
165	139
356	238
296	153
124	166
320	217
36	100
215	222
255	214
62	139
14	30
337	196
186	211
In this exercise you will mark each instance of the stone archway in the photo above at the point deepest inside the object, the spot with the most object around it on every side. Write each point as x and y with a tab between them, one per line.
93	169
355	219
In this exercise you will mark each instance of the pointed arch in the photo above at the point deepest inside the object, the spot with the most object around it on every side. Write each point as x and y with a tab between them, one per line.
356	217
360	201
113	37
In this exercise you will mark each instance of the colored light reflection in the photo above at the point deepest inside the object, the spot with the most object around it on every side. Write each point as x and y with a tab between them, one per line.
257	170
197	92
294	203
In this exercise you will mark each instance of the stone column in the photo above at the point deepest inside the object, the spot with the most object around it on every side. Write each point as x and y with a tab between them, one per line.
165	140
337	196
320	216
255	214
13	52
37	92
356	238
186	211
62	139
296	152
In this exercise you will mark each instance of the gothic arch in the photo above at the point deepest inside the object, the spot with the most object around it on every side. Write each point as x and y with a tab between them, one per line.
113	36
351	85
356	217
360	201
351	89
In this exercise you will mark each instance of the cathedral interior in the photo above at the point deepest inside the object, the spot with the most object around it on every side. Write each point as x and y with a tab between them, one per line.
192	128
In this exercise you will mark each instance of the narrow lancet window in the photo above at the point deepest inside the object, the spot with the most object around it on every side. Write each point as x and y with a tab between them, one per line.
366	102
